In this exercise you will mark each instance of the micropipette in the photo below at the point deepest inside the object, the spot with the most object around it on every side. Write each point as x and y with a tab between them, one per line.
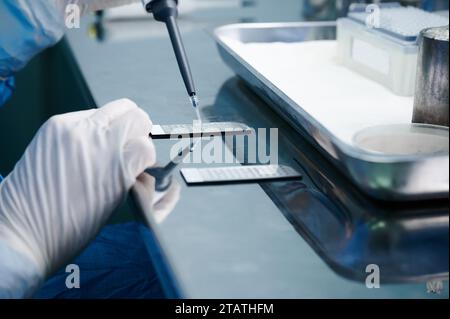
167	11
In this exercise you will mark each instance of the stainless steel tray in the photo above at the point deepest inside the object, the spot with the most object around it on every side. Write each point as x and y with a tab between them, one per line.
390	177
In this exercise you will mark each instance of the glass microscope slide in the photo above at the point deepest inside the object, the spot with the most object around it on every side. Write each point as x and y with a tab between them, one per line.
239	174
206	129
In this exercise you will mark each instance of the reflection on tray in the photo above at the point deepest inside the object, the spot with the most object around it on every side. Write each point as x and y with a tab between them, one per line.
408	241
413	248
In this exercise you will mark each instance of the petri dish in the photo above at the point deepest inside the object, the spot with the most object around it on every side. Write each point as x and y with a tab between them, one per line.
404	139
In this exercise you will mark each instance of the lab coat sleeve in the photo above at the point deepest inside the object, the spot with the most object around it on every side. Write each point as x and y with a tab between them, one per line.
26	28
19	278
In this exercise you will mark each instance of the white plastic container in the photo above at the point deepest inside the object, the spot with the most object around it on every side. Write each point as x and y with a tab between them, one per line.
387	53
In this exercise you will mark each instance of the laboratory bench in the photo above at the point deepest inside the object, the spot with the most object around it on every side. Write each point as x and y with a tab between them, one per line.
311	238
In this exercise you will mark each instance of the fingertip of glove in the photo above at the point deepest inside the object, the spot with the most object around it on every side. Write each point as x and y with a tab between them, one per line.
124	102
114	110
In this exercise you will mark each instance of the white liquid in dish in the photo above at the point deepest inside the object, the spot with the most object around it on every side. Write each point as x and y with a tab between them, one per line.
409	139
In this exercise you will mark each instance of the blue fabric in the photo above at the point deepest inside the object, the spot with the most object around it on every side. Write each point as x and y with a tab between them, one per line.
115	265
6	89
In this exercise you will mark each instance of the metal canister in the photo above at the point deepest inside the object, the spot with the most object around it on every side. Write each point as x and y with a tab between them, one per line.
431	105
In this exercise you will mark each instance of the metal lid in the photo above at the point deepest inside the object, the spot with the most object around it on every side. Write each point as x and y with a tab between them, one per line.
439	33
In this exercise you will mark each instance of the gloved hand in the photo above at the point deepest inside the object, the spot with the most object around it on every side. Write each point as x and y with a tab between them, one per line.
155	206
28	26
76	170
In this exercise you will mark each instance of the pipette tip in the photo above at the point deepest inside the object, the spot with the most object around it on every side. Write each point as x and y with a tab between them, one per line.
194	100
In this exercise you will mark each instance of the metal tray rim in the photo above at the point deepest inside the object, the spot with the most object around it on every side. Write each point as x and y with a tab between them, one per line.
348	149
353	153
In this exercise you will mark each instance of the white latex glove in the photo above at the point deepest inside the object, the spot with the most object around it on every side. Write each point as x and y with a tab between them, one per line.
76	170
155	206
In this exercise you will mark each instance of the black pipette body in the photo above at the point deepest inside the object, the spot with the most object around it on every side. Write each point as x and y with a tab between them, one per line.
167	11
